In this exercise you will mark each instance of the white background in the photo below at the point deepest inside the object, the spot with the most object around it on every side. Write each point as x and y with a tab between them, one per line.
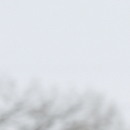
81	42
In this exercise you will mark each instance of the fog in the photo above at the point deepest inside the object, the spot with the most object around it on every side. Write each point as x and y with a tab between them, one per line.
80	44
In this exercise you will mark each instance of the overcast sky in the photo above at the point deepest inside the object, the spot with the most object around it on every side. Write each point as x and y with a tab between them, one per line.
85	42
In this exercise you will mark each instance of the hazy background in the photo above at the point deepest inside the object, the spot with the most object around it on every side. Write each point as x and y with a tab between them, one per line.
76	42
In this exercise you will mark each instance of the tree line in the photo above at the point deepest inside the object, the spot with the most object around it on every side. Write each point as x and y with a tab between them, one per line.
33	109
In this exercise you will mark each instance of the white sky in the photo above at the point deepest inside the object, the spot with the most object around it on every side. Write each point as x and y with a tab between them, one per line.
79	41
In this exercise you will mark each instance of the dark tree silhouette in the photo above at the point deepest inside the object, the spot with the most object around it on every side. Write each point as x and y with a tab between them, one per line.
35	110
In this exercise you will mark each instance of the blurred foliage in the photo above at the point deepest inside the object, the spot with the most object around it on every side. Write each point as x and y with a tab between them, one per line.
33	109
